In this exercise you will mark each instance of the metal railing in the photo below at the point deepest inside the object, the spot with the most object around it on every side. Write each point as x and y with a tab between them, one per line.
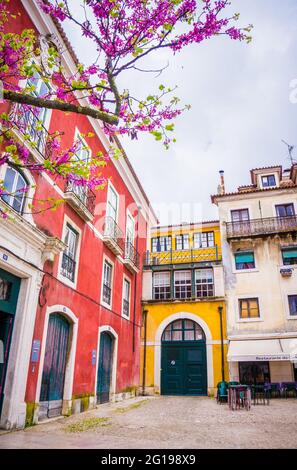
68	267
106	294
126	308
131	254
84	194
28	124
113	231
194	255
266	226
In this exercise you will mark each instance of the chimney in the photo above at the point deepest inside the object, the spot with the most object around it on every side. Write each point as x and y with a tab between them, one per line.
221	188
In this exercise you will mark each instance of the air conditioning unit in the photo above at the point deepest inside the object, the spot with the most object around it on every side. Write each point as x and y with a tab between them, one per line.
286	272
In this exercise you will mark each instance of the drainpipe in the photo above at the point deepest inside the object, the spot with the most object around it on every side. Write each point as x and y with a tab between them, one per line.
145	312
220	310
135	282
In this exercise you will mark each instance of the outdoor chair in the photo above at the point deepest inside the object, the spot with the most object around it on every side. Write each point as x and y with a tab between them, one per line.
222	392
289	388
275	390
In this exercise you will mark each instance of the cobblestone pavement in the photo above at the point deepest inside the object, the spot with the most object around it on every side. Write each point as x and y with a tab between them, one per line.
166	422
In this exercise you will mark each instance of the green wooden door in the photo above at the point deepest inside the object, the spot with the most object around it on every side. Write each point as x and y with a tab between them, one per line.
183	360
9	292
55	358
104	368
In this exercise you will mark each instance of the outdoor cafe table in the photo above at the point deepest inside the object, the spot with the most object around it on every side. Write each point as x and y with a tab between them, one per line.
239	396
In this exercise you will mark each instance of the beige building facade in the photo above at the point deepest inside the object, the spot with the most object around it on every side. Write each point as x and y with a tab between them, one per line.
258	226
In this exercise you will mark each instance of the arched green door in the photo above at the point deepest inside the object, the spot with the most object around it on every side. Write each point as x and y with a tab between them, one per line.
104	374
183	359
54	367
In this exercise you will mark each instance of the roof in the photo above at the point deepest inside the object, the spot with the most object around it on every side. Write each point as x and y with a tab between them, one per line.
185	224
272	167
257	190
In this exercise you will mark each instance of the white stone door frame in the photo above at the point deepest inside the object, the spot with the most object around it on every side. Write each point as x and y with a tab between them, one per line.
14	407
70	365
158	344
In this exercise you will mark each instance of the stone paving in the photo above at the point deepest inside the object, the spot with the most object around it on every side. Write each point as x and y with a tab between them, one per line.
166	422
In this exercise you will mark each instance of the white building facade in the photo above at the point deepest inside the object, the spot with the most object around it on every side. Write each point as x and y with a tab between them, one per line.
259	249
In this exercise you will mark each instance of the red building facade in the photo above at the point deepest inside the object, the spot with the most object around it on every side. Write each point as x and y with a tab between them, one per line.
71	329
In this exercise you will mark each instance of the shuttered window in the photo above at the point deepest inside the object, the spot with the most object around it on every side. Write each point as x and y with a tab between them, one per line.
244	260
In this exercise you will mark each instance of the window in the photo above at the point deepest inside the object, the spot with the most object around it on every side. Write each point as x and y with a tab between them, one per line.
293	304
244	260
252	373
161	286
268	181
289	255
161	244
15	185
82	154
126	298
204	283
130	229
112	204
182	242
285	210
249	308
240	215
107	280
69	255
182	285
183	330
204	240
31	119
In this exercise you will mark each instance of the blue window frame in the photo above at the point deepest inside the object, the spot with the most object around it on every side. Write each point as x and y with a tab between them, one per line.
293	305
268	181
244	260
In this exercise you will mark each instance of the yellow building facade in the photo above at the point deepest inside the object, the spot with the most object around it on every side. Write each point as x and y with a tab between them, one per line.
184	343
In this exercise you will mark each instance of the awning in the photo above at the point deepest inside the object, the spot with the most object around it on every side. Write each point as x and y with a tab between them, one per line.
263	350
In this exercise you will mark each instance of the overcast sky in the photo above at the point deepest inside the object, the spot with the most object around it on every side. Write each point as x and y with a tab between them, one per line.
241	109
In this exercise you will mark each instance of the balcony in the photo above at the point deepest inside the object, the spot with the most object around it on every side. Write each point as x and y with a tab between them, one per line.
194	255
27	124
68	267
261	227
113	237
81	199
131	258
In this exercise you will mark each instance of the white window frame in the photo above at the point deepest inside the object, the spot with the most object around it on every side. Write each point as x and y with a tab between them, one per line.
11	197
109	261
205	283
185	285
166	285
290	291
109	189
199	235
242	271
126	279
68	282
183	235
129	216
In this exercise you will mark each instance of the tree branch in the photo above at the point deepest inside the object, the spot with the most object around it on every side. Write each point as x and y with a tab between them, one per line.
61	106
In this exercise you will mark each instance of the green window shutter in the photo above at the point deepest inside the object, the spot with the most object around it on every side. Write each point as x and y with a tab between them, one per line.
289	254
244	257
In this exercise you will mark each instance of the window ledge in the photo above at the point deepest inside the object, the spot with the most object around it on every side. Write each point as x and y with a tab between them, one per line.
244	271
249	320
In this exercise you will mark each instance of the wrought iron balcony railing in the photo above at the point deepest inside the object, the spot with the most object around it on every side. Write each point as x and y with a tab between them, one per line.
131	254
261	227
106	296
113	235
68	267
194	255
29	125
85	195
126	308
